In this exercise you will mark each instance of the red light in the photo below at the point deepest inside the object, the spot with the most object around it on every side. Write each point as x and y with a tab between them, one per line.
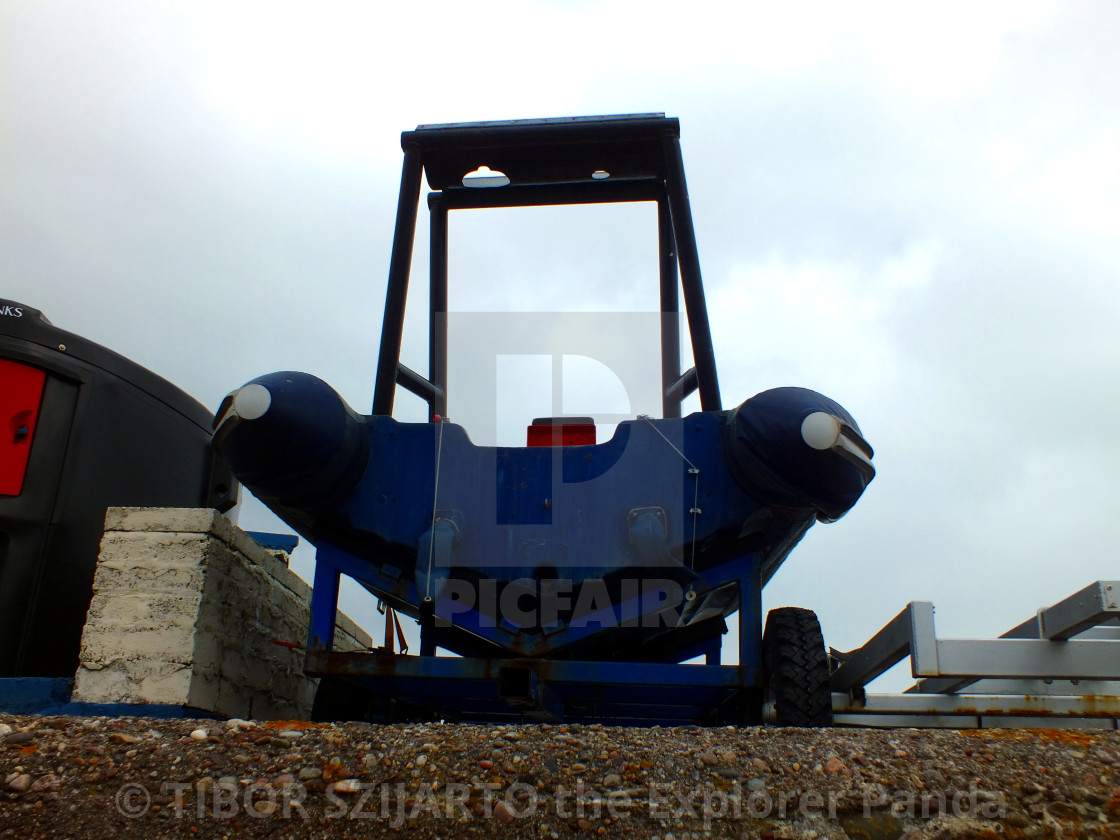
21	392
562	431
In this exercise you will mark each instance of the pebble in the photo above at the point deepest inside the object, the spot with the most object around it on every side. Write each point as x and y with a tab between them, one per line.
503	812
47	782
5	730
587	762
334	771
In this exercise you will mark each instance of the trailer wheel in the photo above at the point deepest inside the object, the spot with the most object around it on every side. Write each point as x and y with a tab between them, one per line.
795	666
337	700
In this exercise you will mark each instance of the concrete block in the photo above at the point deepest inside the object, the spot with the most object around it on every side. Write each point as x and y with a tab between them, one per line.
232	667
188	610
172	688
349	636
203	691
235	700
261	673
207	653
168	520
106	643
111	684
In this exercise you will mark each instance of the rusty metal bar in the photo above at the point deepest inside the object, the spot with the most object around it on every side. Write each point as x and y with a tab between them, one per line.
1098	708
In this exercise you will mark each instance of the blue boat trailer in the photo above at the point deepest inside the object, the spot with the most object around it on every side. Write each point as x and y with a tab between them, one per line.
572	579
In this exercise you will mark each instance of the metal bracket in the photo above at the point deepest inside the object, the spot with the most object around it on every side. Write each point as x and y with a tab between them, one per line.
1073	641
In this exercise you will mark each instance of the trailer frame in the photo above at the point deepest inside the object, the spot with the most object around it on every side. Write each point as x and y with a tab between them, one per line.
1059	668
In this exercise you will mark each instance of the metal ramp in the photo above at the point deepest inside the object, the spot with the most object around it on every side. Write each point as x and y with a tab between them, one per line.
1059	669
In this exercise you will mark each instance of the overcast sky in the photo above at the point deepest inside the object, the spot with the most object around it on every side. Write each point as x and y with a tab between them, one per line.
914	211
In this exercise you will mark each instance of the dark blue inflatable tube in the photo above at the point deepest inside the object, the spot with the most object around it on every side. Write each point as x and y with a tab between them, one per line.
292	439
795	447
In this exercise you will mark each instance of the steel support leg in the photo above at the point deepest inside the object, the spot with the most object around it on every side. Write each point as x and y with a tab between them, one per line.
324	606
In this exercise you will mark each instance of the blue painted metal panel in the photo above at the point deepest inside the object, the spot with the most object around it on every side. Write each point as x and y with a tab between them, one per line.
51	696
610	692
275	542
493	498
33	695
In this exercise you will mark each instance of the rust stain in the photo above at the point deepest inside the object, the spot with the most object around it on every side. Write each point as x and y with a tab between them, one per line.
1006	734
1071	737
1102	704
1089	706
299	725
1114	805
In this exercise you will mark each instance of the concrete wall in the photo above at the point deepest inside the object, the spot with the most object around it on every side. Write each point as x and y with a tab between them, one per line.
187	610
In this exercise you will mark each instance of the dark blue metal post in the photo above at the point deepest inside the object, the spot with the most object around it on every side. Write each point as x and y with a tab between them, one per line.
750	619
712	656
396	293
689	259
324	605
670	310
437	306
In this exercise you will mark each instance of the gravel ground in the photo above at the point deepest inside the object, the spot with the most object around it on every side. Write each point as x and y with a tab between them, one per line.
101	778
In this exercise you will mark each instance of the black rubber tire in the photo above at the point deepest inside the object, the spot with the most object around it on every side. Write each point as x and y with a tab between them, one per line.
338	700
795	664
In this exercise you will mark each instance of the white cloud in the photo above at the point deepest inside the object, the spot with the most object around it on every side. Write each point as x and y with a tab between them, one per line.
913	209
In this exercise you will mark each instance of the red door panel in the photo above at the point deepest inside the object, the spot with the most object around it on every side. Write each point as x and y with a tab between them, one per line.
21	391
